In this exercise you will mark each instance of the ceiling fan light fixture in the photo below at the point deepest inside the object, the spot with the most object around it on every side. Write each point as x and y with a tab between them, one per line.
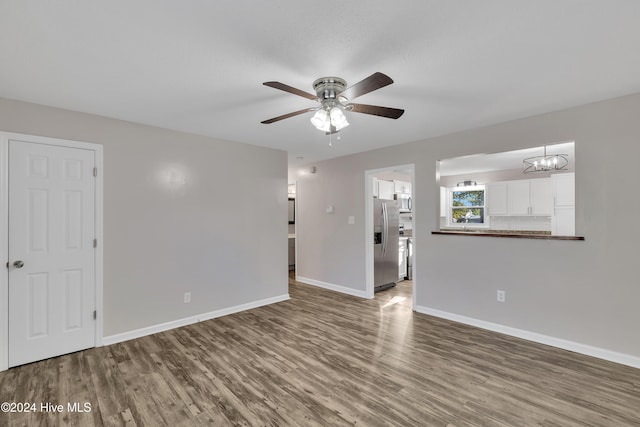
321	120
338	119
334	97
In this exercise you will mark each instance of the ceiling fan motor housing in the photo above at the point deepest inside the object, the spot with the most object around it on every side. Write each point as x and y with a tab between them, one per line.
328	88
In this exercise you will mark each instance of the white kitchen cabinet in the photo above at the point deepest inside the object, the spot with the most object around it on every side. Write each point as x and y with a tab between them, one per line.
375	187
529	197
563	222
385	189
564	192
496	195
443	202
541	197
402	187
518	197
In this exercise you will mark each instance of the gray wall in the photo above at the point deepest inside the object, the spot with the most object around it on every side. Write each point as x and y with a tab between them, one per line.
218	231
590	291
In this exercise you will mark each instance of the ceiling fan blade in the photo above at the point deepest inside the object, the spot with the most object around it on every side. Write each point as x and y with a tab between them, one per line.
293	90
371	83
286	116
392	113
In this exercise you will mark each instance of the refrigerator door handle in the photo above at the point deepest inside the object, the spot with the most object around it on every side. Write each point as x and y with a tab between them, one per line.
385	229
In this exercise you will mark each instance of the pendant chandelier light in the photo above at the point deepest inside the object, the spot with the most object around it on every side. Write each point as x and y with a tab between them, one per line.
545	163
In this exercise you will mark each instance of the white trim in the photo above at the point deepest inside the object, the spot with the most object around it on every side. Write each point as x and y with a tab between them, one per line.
368	238
600	353
149	330
414	281
99	235
4	225
335	288
4	249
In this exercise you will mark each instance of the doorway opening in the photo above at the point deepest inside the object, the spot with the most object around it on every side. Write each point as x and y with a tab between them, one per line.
390	190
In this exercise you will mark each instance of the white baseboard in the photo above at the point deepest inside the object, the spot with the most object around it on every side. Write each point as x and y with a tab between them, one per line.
612	356
138	333
332	287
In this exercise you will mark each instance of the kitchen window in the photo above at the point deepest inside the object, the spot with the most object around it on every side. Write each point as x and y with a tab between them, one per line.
466	206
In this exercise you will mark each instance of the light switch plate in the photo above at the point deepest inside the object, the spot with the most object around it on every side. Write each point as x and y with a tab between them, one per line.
351	220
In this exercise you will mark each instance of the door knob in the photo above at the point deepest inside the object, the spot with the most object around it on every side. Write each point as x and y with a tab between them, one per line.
18	264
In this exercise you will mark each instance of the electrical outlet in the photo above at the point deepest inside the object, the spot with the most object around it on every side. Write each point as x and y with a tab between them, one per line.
187	297
501	296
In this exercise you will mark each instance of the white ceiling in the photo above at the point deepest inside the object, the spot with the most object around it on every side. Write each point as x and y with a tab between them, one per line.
198	65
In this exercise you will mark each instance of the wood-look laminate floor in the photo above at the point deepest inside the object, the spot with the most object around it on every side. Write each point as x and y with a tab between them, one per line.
326	359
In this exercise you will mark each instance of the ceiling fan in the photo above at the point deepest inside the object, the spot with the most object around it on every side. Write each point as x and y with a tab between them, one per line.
335	98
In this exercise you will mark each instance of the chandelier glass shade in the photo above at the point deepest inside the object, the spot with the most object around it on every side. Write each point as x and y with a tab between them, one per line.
545	163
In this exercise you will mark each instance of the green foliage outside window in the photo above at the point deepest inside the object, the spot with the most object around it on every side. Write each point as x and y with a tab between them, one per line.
467	206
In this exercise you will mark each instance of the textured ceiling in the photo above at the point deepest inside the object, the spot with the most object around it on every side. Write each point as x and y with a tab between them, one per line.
198	66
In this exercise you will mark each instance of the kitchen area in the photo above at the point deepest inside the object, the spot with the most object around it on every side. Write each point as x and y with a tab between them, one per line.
526	193
393	229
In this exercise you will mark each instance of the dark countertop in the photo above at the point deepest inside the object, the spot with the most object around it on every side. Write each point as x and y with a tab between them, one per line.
508	234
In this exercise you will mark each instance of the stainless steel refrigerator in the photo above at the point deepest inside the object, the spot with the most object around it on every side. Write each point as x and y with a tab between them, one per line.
386	220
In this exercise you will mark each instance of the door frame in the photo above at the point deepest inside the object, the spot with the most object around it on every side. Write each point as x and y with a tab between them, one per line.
4	232
368	225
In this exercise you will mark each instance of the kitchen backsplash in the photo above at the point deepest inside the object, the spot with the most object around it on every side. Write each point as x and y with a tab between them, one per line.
406	221
532	223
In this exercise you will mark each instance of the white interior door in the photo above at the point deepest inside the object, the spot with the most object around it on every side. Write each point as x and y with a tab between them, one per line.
51	252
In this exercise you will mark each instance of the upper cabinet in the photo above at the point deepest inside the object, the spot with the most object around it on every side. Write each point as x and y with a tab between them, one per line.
564	189
386	189
443	202
541	197
518	197
497	199
553	197
521	197
564	216
402	187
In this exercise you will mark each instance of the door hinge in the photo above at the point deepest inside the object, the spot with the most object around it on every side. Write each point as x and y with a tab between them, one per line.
95	243
95	171
95	314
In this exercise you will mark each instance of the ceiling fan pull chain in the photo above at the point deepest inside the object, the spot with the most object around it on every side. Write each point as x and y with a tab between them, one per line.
330	144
